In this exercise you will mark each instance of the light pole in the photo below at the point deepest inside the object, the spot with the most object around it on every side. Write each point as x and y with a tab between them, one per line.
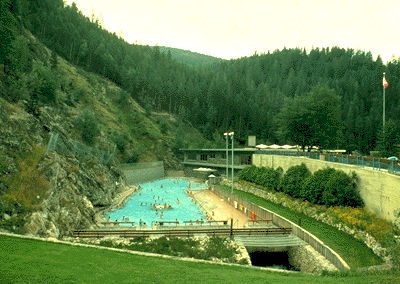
231	134
226	138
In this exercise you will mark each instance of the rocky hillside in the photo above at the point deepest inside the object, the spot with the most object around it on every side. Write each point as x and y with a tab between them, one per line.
63	133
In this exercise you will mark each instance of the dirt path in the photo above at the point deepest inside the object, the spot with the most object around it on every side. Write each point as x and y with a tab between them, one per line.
213	204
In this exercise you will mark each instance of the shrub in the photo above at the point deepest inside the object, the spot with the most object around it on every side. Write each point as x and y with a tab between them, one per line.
17	209
78	94
29	181
293	180
331	187
315	185
123	98
87	124
248	174
45	85
3	164
264	176
341	189
121	139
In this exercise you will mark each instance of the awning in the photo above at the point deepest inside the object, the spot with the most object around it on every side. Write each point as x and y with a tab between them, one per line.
288	147
261	146
274	146
205	170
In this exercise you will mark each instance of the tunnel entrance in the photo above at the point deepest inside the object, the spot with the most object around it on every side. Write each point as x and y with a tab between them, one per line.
271	259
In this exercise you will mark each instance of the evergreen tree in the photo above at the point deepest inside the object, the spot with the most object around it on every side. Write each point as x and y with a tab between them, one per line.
388	140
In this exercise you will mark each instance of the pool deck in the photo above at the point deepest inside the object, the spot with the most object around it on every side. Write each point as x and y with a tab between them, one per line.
215	207
218	209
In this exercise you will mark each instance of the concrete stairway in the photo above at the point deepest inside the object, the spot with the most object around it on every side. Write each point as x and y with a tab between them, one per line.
270	241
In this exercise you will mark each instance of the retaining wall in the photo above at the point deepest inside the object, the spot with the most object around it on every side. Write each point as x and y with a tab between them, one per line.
380	190
142	172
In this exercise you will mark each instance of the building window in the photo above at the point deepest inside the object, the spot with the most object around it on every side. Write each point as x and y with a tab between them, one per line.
203	157
211	156
192	156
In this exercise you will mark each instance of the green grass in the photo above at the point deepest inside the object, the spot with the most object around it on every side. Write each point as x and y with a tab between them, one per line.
32	261
353	251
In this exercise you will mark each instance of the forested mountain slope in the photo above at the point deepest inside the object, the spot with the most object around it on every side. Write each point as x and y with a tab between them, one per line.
53	188
245	95
188	57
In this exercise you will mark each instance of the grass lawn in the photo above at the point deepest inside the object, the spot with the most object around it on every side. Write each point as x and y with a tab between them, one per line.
33	261
353	251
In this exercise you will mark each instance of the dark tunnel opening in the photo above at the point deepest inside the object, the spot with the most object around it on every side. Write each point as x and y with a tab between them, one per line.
271	259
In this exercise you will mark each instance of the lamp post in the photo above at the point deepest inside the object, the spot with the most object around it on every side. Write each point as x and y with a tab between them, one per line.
226	138
231	134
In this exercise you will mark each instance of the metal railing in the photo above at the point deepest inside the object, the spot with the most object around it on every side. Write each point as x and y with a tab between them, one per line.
361	161
187	232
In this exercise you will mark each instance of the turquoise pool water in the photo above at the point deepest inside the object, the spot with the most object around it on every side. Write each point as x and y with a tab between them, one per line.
147	205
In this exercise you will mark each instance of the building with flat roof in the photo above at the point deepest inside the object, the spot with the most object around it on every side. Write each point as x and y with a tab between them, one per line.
216	159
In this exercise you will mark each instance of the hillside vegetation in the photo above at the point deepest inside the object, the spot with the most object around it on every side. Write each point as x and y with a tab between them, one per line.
92	124
189	57
252	95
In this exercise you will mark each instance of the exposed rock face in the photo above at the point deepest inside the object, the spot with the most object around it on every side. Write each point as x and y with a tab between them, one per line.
78	187
78	191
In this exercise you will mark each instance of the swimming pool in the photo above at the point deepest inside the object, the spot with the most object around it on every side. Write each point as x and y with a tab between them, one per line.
161	200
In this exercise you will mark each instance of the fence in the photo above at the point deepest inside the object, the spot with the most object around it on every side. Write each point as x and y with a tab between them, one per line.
361	161
256	212
72	148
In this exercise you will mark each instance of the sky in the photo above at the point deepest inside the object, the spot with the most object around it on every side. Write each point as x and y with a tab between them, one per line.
236	28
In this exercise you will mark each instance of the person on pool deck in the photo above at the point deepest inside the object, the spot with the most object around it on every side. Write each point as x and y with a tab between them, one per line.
177	201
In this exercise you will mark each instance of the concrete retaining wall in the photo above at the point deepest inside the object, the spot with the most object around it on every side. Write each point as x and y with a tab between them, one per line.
379	189
143	172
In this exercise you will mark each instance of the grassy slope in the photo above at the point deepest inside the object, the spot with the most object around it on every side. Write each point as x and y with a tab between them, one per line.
31	261
353	251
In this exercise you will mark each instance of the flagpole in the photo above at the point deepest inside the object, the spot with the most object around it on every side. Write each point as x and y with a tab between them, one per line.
383	118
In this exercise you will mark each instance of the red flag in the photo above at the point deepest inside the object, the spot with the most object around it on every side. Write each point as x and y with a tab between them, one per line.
385	83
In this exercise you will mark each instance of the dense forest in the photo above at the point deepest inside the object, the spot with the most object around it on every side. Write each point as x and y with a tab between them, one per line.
329	97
